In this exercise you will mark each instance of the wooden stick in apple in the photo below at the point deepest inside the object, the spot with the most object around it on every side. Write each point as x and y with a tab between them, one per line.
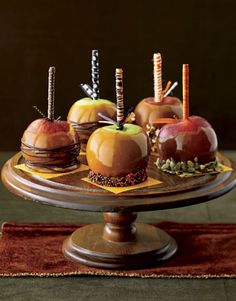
51	92
185	75
157	73
95	74
119	98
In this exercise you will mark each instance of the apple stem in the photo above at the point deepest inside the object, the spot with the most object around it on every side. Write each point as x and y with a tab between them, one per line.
157	73
95	74
51	92
119	98
175	84
185	75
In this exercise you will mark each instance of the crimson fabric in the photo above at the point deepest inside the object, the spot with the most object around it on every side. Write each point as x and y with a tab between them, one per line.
204	250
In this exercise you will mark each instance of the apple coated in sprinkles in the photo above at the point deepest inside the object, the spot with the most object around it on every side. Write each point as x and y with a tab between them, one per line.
117	154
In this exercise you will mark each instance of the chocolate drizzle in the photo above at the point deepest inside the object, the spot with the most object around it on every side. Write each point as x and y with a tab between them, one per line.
85	130
132	178
62	158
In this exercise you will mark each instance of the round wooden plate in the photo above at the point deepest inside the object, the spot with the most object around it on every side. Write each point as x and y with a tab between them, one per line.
69	191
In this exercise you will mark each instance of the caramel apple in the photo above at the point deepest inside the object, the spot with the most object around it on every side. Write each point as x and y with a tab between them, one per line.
190	144
117	155
160	109
84	112
149	112
50	145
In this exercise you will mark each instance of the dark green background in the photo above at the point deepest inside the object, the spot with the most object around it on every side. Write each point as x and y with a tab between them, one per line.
37	34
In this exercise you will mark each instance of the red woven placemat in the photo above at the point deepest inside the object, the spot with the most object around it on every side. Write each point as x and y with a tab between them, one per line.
34	249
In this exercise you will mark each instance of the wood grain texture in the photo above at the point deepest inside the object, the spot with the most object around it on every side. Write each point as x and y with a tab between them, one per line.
151	246
69	191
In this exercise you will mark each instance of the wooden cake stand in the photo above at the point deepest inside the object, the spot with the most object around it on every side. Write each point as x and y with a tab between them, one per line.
119	244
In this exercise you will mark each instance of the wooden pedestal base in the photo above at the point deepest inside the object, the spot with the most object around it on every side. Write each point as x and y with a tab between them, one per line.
119	244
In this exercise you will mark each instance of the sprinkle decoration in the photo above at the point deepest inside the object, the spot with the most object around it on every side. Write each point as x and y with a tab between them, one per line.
157	67
95	74
185	75
119	97
130	179
51	92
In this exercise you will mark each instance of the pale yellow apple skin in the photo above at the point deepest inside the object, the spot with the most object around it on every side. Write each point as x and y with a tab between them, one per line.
87	109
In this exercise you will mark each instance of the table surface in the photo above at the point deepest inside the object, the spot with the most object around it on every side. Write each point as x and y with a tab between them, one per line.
13	208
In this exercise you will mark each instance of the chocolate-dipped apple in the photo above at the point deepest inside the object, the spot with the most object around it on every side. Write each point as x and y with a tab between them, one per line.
189	145
117	155
50	145
84	113
153	112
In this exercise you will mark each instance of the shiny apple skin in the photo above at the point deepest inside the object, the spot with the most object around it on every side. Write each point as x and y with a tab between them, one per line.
113	153
45	134
86	110
185	140
148	111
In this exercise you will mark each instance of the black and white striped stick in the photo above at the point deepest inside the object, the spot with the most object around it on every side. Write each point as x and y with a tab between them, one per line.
87	90
119	98
51	92
95	74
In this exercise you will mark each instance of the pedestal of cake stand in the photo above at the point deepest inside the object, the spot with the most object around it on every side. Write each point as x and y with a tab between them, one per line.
119	244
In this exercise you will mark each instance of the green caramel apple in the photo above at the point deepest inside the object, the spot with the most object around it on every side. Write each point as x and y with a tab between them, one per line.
86	110
112	153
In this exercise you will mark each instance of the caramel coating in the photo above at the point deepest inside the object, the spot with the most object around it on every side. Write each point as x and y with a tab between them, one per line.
46	134
148	112
113	152
86	110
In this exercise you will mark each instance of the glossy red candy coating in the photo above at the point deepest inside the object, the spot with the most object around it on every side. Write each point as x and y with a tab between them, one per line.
187	139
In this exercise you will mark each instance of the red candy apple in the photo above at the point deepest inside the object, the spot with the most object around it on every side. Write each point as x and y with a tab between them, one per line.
46	134
187	139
